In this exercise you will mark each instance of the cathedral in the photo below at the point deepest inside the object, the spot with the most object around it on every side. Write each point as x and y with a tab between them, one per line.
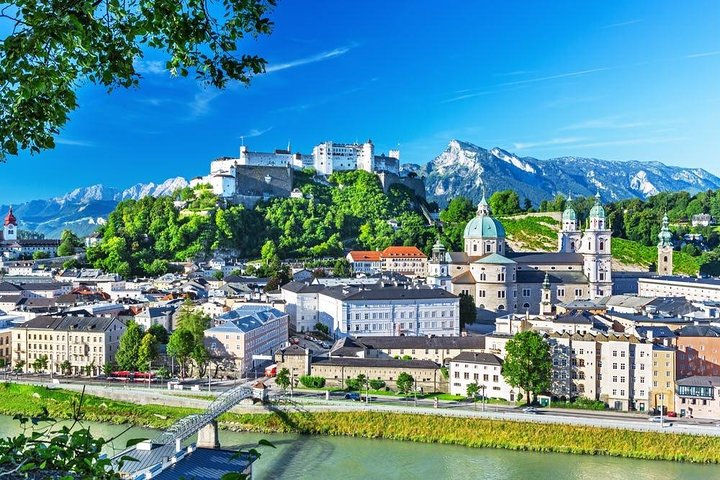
501	280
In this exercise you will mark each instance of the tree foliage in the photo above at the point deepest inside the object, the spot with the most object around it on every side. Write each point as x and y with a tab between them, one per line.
468	310
504	202
405	382
283	378
126	356
180	346
147	352
527	363
53	48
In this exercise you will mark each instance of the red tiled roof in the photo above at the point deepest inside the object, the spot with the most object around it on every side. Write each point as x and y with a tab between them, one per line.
402	252
365	256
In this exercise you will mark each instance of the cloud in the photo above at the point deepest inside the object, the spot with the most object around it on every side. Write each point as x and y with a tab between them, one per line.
704	54
547	143
630	141
319	57
74	143
200	104
560	75
622	24
607	123
254	132
152	67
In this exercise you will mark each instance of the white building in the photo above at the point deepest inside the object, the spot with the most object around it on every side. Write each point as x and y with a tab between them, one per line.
373	309
247	331
483	369
329	157
692	288
365	261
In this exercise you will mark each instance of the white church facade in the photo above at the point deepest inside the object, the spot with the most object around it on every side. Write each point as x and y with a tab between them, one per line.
501	280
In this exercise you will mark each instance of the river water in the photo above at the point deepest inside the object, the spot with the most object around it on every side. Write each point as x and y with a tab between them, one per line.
318	458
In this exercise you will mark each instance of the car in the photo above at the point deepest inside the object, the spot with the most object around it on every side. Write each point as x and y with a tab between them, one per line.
532	410
672	414
352	396
657	419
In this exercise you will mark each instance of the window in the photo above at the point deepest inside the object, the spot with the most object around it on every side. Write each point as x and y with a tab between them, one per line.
526	292
501	294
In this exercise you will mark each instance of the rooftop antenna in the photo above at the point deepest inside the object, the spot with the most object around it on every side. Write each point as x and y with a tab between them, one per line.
242	140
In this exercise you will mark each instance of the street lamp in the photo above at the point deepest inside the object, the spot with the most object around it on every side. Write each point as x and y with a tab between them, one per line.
483	397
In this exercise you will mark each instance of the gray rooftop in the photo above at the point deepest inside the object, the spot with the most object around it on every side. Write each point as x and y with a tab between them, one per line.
480	358
373	362
699	281
699	381
538	276
423	342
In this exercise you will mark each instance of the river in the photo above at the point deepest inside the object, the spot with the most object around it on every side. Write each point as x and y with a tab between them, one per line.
318	458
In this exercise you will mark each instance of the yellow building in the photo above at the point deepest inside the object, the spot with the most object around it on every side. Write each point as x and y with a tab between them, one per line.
663	378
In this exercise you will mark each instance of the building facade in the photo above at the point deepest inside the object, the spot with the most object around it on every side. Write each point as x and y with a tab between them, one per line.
692	288
504	281
87	343
698	397
483	369
247	331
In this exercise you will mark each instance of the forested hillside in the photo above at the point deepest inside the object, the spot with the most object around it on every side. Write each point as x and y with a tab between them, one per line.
142	236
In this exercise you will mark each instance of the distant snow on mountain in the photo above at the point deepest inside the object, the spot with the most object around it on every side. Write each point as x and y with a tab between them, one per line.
466	169
83	210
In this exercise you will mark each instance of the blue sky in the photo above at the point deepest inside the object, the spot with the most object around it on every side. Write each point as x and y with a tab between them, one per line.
608	79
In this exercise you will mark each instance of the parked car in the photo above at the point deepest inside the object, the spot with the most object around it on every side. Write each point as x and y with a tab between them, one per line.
532	410
657	419
672	414
294	340
352	396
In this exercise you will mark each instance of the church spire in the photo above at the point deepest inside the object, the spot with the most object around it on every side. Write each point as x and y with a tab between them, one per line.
483	207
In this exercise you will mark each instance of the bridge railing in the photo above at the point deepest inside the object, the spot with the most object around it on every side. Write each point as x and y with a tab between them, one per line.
189	425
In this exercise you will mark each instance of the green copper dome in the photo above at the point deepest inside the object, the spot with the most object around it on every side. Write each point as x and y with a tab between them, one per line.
484	227
665	236
597	211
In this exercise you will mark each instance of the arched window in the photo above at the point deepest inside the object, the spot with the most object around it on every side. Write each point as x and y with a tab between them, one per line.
526	305
665	258
475	247
602	245
501	307
572	245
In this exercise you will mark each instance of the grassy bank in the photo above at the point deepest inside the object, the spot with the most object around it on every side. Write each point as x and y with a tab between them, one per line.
470	432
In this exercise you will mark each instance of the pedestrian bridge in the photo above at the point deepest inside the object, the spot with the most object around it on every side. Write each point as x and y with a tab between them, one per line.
152	456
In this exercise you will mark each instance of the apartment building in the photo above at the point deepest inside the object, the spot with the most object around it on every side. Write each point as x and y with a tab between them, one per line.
692	288
614	368
662	392
406	260
698	351
247	331
365	261
87	343
484	369
698	397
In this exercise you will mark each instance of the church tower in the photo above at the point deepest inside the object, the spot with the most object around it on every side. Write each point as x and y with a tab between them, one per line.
438	270
595	248
665	249
10	226
546	307
569	236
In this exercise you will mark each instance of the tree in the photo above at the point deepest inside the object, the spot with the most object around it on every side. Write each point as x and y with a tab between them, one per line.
181	346
194	320
52	49
504	202
377	384
40	364
472	391
147	352
159	332
19	366
39	255
468	310
68	242
107	369
126	356
405	382
283	378
219	275
341	268
65	367
321	327
201	357
527	363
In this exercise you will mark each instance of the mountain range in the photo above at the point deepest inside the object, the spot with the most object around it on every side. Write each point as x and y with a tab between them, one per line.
83	209
466	169
462	169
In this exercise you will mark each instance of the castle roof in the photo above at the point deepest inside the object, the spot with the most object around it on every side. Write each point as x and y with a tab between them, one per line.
10	218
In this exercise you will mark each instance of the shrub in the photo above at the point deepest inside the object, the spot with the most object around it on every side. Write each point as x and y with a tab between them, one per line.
376	384
310	381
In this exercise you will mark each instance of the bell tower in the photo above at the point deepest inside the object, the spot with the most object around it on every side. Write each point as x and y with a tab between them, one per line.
10	226
665	249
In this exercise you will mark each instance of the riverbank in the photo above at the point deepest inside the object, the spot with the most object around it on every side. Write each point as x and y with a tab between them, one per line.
470	432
